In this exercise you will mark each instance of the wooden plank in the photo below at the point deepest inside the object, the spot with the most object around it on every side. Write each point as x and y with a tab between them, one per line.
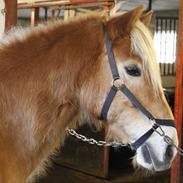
11	14
89	6
36	1
62	3
176	171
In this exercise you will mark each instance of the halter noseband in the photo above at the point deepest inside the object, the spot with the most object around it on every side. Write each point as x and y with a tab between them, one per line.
118	85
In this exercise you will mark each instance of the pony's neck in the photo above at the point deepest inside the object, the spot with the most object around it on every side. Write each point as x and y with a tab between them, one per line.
77	47
40	76
64	54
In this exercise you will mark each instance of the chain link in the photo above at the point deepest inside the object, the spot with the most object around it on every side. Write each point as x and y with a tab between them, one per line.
92	141
95	142
166	138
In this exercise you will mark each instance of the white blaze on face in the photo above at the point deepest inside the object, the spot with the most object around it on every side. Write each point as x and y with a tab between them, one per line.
2	17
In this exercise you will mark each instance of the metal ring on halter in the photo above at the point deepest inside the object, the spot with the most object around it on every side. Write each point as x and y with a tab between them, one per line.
157	127
118	83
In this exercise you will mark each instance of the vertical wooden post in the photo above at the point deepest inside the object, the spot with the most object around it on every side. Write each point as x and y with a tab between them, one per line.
177	168
2	17
34	16
11	14
69	14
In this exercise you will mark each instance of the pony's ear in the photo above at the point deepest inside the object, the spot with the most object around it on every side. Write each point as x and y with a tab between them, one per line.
146	18
121	26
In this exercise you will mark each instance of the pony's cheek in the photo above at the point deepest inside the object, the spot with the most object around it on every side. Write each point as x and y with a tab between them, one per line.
130	127
118	134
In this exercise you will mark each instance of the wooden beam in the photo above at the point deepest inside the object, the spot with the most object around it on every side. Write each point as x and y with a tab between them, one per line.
34	16
11	14
176	171
61	3
106	6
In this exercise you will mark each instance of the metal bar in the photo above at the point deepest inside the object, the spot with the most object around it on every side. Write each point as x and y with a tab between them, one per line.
174	28
176	171
161	29
167	47
166	41
176	38
164	48
172	54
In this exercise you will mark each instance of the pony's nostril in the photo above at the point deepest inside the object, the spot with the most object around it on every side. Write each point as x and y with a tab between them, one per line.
169	152
146	154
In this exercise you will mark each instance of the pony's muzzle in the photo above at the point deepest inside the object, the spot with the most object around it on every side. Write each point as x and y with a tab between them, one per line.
154	160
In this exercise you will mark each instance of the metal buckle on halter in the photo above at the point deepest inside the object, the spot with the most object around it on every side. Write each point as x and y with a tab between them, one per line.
118	83
157	128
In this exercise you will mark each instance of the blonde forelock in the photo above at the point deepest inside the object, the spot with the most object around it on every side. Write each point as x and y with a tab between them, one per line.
142	45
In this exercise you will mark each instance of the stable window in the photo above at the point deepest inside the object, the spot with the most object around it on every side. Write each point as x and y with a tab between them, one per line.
165	38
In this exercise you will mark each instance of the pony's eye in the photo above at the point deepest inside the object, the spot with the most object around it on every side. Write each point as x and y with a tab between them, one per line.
133	70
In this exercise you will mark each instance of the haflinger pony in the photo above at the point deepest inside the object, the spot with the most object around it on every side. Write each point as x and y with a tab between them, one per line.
53	74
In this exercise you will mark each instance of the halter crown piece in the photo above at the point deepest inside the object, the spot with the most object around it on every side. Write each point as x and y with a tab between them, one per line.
118	85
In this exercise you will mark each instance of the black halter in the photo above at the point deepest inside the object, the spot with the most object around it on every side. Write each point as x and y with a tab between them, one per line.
115	74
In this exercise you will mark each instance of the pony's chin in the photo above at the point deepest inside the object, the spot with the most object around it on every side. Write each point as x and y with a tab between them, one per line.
142	169
143	162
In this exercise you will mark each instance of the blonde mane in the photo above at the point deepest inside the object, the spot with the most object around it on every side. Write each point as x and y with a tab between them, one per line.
142	42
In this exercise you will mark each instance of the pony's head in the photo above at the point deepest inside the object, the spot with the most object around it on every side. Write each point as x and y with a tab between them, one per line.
134	55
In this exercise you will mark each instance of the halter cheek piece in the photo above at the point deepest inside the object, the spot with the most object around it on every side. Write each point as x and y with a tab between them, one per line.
118	85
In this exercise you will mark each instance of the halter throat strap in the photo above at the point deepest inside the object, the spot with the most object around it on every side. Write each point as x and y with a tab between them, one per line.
114	89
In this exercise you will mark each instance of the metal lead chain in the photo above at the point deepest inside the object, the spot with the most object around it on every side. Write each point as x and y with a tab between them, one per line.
166	138
93	141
